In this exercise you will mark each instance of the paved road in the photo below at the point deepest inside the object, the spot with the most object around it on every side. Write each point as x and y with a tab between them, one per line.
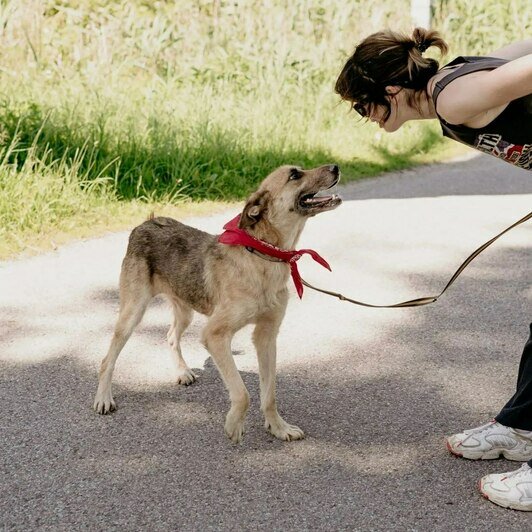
375	390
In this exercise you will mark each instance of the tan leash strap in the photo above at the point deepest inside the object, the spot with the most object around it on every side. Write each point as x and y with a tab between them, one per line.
425	300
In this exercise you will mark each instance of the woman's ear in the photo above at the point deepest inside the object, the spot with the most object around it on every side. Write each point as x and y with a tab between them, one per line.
392	90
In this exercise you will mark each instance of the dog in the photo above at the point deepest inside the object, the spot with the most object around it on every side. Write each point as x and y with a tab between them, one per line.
228	283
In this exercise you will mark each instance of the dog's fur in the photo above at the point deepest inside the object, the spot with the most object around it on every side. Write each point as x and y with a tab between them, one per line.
227	283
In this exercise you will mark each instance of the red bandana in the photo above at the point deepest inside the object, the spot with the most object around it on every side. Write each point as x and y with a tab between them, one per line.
234	236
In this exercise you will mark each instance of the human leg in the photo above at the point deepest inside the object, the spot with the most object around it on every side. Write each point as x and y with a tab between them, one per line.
517	412
510	433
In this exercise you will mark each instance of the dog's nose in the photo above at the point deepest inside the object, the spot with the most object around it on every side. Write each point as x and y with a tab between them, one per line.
333	168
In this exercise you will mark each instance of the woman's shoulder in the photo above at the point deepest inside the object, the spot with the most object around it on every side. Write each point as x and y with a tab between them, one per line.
462	72
478	92
473	89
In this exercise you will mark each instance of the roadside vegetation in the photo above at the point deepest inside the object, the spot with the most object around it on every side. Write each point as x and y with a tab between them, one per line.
112	109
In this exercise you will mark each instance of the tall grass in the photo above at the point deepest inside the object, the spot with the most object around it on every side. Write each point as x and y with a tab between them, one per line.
195	98
205	97
41	193
479	27
57	189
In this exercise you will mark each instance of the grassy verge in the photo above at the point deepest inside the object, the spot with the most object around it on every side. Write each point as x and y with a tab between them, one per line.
97	220
111	109
45	202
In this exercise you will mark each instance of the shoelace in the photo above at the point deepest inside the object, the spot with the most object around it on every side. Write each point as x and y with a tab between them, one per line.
525	468
480	429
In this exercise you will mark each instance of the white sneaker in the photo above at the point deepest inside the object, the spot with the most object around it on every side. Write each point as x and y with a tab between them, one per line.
510	490
490	441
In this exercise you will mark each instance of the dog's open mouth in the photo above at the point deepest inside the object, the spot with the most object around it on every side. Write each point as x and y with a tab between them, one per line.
320	200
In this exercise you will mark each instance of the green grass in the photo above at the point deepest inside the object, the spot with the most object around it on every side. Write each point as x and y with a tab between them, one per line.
479	27
109	108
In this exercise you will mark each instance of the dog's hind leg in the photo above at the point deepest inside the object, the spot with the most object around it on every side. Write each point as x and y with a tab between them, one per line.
217	336
264	338
135	294
182	318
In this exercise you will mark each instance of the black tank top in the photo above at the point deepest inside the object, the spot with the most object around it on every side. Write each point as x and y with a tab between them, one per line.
509	135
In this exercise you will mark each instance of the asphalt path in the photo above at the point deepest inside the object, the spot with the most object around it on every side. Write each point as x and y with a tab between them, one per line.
374	390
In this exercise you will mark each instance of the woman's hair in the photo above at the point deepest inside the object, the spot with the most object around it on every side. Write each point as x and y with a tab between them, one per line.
388	58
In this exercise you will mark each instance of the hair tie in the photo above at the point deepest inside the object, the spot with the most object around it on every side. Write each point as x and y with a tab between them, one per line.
422	46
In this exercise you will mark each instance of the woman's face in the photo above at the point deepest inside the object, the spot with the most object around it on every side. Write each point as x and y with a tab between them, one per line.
399	111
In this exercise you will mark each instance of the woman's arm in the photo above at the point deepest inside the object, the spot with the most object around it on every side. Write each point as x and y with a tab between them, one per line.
514	50
467	97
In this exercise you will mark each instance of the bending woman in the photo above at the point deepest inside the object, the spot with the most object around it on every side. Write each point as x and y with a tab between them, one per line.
486	103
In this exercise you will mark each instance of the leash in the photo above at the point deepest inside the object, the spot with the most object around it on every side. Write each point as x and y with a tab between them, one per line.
265	251
431	299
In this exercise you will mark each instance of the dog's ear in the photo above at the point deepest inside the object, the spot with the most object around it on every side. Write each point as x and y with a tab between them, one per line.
254	210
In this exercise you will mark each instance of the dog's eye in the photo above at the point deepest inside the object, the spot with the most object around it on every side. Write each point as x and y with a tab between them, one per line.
295	174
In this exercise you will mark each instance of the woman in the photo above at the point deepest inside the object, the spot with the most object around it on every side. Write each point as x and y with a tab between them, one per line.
486	103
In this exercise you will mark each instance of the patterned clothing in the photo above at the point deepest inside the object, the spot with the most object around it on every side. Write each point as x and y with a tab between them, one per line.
509	135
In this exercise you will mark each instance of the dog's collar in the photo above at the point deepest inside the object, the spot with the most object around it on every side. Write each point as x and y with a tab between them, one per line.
234	236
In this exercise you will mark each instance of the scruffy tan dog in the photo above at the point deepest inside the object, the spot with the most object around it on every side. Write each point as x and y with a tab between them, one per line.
228	283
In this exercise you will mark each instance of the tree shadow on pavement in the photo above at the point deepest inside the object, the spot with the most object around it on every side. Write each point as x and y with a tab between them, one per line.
373	458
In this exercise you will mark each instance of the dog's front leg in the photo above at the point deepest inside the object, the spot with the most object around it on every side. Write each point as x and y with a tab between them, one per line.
217	339
265	339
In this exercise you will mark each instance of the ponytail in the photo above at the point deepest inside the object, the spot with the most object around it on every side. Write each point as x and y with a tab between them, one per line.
388	58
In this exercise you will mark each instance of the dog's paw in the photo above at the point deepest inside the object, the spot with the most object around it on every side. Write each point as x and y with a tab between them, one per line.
186	376
234	428
104	403
235	433
284	431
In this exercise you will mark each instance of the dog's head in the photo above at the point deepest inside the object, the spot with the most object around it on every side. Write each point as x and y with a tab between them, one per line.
287	198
